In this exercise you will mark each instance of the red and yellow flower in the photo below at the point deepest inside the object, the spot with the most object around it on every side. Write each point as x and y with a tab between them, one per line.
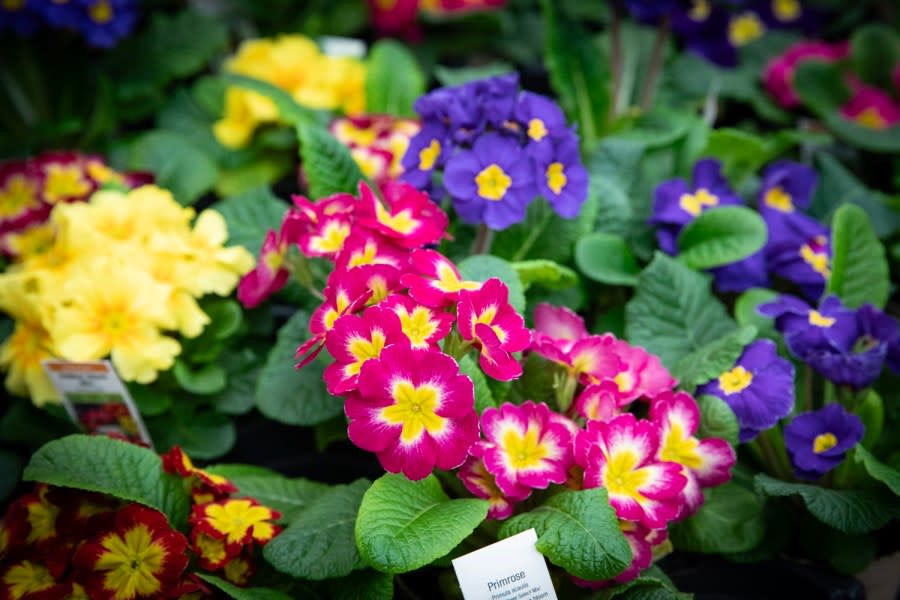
204	486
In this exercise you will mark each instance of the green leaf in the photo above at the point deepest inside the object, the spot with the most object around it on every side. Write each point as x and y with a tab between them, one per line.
673	312
877	469
730	520
242	593
546	273
203	434
393	79
404	525
652	583
712	359
367	584
871	411
745	310
721	236
320	543
289	110
447	76
742	153
717	420
327	163
483	396
290	497
109	466
850	511
859	268
576	75
606	258
176	163
577	531
482	267
208	379
250	216
874	52
290	395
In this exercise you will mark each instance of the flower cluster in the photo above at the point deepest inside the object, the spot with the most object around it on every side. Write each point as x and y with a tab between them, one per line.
652	468
118	276
798	247
847	347
498	149
295	64
225	530
64	543
29	189
377	143
868	106
717	30
399	16
102	23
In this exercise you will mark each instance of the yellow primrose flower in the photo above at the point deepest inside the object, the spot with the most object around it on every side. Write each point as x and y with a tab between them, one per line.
29	242
110	308
30	343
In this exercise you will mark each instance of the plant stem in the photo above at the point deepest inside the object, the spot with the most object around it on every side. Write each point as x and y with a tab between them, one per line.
534	234
657	57
615	38
777	461
483	239
807	388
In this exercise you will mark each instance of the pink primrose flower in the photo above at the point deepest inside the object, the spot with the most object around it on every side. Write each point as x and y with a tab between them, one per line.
435	281
423	326
778	76
871	107
407	215
414	410
482	484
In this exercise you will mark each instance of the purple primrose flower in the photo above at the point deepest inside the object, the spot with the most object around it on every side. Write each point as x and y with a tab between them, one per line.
818	441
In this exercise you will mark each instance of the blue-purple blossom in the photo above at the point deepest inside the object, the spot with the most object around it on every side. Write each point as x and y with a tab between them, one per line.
20	17
104	22
786	187
806	329
759	388
492	183
59	13
428	150
799	250
540	118
560	176
741	276
818	441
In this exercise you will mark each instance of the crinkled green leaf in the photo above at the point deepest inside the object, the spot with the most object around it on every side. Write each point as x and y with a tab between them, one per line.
177	164
320	544
367	584
850	511
712	359
877	469
545	273
205	380
730	520
290	497
109	466
717	420
579	531
482	267
673	312
606	257
327	164
404	525
393	79
742	153
290	395
250	216
874	53
721	236
859	268
243	593
203	433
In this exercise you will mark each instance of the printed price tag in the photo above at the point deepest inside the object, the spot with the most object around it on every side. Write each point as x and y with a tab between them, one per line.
511	569
96	399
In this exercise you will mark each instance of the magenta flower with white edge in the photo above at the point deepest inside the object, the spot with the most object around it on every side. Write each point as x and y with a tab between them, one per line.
642	374
705	463
486	318
556	327
407	215
620	455
423	326
591	356
435	281
414	410
525	448
477	480
353	340
366	247
323	226
600	401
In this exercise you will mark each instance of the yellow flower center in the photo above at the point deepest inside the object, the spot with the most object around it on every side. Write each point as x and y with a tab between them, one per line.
523	451
13	5
622	477
19	194
361	136
681	448
341	302
824	442
332	239
26	578
487	317
366	257
871	118
693	204
449	282
42	519
819	320
745	28
101	12
64	182
556	177
402	222
273	260
414	408
536	129
735	380
700	10
236	517
625	381
493	182
132	562
362	350
817	260
370	164
778	199
429	155
379	288
786	10
417	325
